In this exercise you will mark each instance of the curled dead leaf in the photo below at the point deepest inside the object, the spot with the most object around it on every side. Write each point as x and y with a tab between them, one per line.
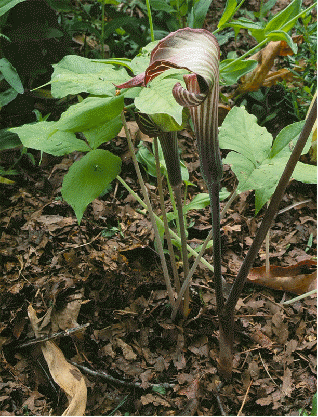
265	58
299	278
67	376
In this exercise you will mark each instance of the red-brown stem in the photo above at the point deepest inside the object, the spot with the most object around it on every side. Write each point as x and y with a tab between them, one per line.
214	189
227	313
169	143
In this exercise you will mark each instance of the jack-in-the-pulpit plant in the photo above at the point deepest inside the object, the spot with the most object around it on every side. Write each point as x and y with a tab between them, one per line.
197	51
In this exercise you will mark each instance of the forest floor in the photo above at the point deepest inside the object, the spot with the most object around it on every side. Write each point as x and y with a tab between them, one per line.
106	273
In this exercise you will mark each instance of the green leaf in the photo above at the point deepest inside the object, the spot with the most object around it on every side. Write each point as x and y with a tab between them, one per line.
130	24
199	202
8	140
158	98
202	200
6	5
227	13
265	8
235	70
7	96
75	74
280	35
125	62
87	179
256	28
11	76
256	164
160	390
140	63
162	5
305	173
60	5
90	113
241	133
286	140
103	133
314	406
145	157
198	13
282	19
4	180
44	136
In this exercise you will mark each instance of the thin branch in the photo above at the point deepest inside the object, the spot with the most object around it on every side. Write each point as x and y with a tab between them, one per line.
45	338
245	398
271	211
121	382
228	203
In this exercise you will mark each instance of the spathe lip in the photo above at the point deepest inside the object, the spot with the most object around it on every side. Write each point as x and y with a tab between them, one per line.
195	50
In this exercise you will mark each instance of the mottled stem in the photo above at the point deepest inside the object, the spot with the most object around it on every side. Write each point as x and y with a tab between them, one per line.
169	143
164	217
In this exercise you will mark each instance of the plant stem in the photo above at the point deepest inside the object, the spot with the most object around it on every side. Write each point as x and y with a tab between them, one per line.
229	202
184	252
102	34
214	190
267	241
227	313
199	258
164	217
250	52
300	297
169	144
151	213
159	221
152	36
174	205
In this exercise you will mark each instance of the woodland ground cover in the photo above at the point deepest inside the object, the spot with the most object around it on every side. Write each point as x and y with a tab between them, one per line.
106	272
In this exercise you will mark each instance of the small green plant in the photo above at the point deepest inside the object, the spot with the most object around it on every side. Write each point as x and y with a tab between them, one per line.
313	409
177	80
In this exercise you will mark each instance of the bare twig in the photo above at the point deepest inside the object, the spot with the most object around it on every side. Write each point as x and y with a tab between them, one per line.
245	397
116	381
53	336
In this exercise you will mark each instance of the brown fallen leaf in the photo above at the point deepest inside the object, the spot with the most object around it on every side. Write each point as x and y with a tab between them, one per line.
265	58
127	350
67	376
298	278
274	77
154	399
191	391
260	338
